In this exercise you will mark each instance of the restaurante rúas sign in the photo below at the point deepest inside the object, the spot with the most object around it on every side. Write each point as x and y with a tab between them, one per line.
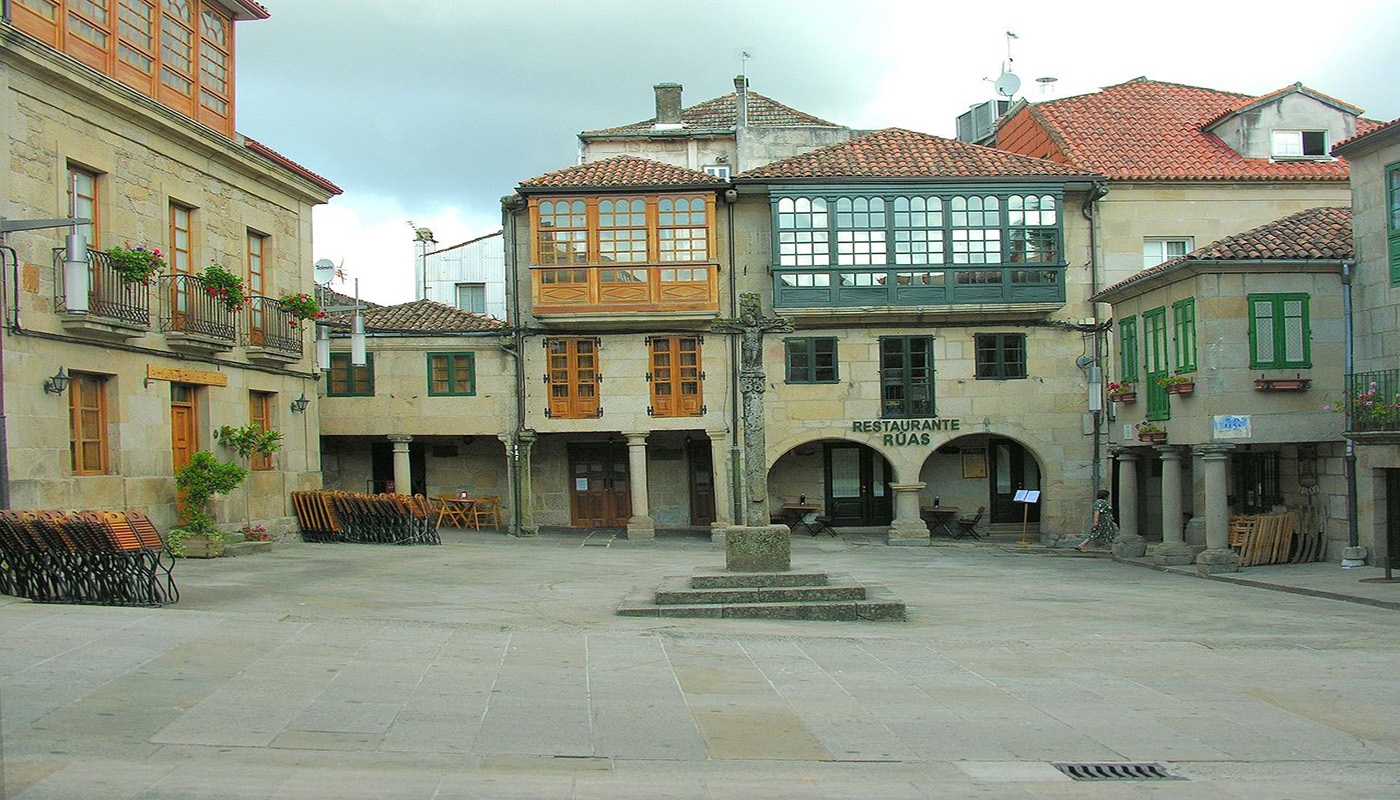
902	432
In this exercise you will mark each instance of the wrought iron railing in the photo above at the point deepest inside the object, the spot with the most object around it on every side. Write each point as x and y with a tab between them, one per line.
1373	401
109	295
187	306
271	326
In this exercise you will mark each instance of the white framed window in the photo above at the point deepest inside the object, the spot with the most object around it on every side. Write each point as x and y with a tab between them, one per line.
1158	250
1299	144
472	297
720	171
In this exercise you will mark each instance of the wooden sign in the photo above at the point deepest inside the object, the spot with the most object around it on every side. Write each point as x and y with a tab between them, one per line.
174	375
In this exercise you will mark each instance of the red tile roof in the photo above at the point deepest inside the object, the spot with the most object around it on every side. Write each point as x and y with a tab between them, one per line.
281	160
721	114
419	316
1153	130
1360	136
1317	234
621	172
900	153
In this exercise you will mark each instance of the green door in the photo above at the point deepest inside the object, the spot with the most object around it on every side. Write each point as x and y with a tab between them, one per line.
1154	328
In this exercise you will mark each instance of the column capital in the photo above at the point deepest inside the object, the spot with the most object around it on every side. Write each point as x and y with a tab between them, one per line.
1126	453
907	487
636	438
1171	452
400	438
1214	452
717	433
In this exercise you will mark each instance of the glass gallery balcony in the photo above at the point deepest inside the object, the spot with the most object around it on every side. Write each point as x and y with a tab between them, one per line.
901	288
670	290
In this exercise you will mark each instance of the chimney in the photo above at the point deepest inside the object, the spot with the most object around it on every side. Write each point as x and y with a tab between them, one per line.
422	244
668	106
741	101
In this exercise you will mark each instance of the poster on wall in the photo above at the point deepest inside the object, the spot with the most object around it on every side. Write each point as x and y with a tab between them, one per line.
974	462
1230	426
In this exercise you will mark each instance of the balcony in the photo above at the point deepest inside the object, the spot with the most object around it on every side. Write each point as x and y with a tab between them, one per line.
117	309
272	334
1373	405
923	289
672	291
194	320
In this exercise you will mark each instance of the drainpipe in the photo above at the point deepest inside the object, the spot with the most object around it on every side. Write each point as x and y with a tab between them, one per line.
1354	555
518	340
4	422
1090	212
736	480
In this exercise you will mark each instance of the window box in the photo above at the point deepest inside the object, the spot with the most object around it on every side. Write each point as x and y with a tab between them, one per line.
1183	389
1126	398
1152	437
1262	384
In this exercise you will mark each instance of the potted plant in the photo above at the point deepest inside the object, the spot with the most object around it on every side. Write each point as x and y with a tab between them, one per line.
1121	393
248	441
301	306
199	480
1295	384
135	264
1369	409
225	287
1177	384
256	533
1150	432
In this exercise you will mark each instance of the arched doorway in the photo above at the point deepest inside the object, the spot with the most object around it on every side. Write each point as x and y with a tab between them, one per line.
849	480
983	470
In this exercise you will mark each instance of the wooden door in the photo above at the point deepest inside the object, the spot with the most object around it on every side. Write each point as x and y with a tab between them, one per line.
702	482
1391	556
857	486
184	430
600	493
1012	469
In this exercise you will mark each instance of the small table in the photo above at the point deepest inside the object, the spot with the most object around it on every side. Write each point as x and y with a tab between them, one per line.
795	516
939	517
457	510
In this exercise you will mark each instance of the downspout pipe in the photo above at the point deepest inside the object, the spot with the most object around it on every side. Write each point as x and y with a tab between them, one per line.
4	421
508	207
1355	554
736	480
1090	210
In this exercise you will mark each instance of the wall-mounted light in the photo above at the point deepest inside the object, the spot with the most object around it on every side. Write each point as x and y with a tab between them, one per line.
299	405
58	384
323	347
357	340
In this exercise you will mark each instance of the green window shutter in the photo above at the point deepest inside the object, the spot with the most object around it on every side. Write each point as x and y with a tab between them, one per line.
1184	323
811	360
1392	219
1128	350
451	374
1280	336
1154	329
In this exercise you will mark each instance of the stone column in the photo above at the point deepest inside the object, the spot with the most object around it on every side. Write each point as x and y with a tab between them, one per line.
1217	557
403	469
1173	548
640	525
908	527
1130	543
723	483
1195	534
519	493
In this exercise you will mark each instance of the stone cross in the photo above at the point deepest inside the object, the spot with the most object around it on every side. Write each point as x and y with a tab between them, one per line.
751	325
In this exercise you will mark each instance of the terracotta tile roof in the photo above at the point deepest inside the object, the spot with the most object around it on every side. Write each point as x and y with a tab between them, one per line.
900	153
1363	134
330	297
722	114
1153	130
419	316
1317	234
621	171
292	166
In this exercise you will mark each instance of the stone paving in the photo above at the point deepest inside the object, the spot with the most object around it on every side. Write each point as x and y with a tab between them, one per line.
496	668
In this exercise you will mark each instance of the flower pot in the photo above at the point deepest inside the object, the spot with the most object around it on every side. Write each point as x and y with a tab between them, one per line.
1180	388
1156	437
1282	384
1126	398
203	547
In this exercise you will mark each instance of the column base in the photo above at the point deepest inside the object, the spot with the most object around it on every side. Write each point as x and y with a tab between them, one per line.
760	549
1353	557
641	528
908	534
717	531
526	532
1171	554
1130	547
1215	562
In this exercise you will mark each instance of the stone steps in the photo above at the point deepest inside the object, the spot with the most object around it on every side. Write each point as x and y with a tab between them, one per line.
766	595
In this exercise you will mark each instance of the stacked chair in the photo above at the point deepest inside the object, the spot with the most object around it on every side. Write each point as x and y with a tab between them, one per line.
331	516
101	557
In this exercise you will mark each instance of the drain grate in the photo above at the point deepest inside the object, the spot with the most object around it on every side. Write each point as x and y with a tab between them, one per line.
1090	771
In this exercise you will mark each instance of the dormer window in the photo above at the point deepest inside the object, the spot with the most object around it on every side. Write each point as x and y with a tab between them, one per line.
720	171
1300	144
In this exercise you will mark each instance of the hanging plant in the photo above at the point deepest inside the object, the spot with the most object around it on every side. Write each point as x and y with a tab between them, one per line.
302	306
225	287
136	264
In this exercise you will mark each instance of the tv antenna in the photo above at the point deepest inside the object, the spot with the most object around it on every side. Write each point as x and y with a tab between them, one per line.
325	271
1007	84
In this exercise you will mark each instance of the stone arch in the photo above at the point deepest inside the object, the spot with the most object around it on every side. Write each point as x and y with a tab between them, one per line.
847	479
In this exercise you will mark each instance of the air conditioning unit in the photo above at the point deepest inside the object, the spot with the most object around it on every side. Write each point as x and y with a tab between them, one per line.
978	124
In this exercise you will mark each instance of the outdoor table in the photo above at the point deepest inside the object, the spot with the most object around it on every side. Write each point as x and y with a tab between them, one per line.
939	517
457	510
795	516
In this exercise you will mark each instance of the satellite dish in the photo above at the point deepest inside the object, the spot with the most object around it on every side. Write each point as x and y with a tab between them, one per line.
1008	84
325	271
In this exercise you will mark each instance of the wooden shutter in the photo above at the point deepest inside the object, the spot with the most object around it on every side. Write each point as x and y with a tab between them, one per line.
572	374
676	389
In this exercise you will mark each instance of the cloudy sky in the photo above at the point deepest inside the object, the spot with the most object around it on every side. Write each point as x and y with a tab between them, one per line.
430	110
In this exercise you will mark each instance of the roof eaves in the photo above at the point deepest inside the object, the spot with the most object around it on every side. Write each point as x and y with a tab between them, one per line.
655	134
292	166
1168	272
464	244
1370	138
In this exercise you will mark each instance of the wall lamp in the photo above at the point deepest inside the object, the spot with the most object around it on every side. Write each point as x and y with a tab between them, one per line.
58	384
299	405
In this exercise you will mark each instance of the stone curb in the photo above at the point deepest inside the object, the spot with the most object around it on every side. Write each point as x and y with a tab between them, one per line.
1322	593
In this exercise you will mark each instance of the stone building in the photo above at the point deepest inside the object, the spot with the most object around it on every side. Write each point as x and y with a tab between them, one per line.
122	113
1230	353
1373	420
427	411
722	137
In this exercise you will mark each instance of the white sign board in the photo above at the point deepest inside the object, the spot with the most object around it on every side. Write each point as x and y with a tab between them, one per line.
1027	496
580	484
1230	426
